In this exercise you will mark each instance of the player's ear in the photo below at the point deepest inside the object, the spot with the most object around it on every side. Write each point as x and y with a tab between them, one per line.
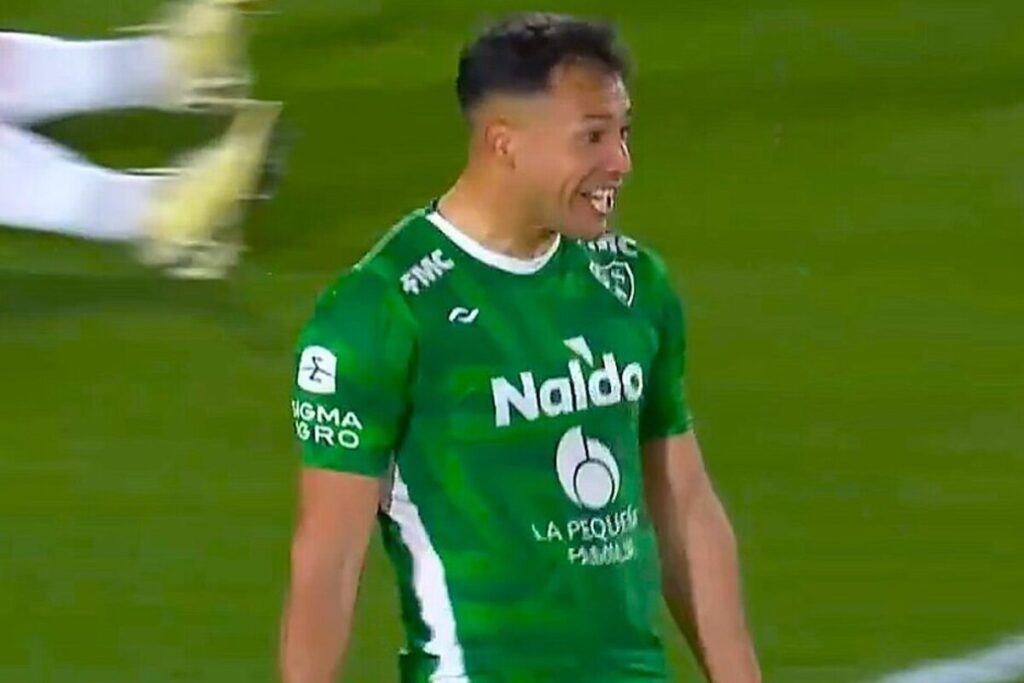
498	138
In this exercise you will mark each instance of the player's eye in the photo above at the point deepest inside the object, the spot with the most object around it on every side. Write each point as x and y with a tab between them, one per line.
624	133
595	137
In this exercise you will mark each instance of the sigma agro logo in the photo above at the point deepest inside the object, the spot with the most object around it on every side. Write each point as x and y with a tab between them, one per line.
326	425
317	369
587	470
426	272
574	392
617	277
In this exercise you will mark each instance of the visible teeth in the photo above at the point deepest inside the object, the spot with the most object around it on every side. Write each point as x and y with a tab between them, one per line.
603	200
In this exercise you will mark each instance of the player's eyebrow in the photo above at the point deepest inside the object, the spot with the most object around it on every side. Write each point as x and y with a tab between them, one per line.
608	117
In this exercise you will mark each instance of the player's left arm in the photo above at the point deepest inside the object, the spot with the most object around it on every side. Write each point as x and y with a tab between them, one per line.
696	543
699	561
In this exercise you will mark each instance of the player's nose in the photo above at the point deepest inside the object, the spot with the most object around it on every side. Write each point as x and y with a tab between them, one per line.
620	162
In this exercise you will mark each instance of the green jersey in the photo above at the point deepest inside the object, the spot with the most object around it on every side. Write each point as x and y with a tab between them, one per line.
504	403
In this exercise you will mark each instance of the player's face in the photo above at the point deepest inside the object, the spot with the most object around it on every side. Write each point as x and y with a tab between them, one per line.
576	150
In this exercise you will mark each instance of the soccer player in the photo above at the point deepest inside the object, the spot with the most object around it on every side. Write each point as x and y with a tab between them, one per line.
183	219
499	382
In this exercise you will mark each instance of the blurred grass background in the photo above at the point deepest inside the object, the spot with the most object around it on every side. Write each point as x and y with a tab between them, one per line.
839	187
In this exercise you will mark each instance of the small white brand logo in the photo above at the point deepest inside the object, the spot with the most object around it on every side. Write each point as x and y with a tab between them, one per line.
426	272
463	315
317	368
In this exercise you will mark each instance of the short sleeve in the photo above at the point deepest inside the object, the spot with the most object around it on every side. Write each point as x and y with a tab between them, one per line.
351	371
665	411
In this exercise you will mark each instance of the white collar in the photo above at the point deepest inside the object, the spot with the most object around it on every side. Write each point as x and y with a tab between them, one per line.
509	264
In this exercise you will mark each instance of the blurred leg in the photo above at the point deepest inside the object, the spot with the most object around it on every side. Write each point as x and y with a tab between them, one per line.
46	187
45	78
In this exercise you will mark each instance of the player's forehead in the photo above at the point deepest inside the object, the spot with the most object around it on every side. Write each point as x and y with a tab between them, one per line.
581	91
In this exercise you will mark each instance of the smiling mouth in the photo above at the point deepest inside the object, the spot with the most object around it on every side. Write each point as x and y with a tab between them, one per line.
602	199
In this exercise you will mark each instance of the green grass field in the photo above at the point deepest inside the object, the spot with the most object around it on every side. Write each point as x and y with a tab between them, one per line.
840	189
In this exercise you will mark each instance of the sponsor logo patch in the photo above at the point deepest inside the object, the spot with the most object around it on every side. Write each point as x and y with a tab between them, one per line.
317	370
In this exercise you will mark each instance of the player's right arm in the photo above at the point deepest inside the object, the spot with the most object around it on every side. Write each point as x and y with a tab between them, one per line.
335	519
348	407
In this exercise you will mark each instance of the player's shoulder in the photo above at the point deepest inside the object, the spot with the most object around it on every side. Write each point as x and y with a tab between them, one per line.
355	289
632	269
402	241
411	256
374	284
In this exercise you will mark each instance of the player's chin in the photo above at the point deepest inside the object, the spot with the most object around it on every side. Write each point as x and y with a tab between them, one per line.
585	223
584	231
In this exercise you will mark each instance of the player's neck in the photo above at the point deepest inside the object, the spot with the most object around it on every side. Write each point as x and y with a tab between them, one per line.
484	213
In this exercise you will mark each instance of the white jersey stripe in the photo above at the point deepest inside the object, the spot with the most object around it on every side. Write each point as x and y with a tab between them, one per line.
429	584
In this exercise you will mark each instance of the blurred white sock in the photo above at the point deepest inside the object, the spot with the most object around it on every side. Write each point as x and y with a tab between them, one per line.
46	187
46	78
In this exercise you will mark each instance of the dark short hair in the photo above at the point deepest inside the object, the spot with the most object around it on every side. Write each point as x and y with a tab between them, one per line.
517	54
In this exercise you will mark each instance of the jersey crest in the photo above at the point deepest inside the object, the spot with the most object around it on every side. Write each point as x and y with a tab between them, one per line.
618	278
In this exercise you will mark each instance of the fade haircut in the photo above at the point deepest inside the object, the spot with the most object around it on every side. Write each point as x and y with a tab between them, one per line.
518	54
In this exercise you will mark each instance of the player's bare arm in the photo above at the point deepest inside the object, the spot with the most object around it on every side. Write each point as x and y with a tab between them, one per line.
336	514
700	569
